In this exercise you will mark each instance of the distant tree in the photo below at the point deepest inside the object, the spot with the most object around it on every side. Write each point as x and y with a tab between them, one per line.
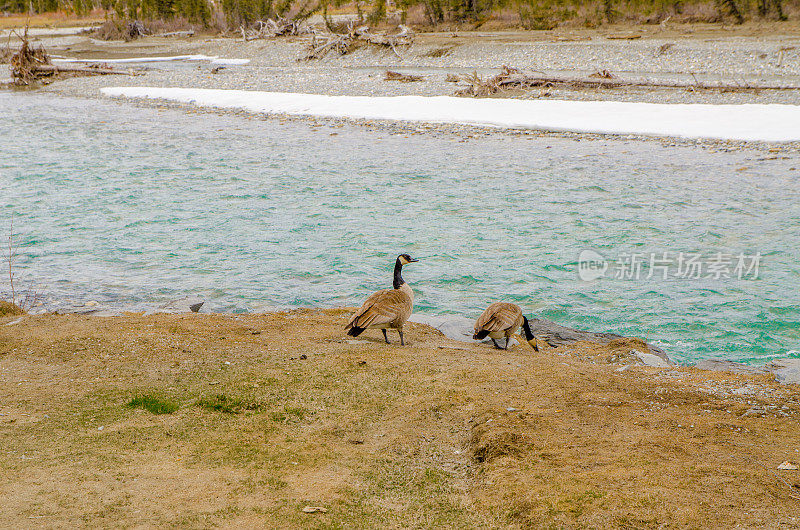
729	7
608	10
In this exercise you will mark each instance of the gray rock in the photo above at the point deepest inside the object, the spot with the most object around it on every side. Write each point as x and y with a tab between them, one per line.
452	326
649	359
557	335
90	308
757	410
456	327
722	365
461	328
106	313
186	304
787	371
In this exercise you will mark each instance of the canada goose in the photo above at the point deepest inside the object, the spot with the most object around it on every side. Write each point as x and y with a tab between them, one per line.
502	319
388	308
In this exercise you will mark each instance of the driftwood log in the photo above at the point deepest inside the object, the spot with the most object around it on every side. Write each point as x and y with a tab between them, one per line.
52	69
280	27
30	64
189	33
403	78
344	43
557	335
512	78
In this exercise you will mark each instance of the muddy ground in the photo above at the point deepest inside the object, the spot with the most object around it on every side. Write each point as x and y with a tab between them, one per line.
264	415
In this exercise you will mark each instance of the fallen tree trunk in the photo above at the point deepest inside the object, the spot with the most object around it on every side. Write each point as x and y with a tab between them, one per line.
511	78
617	82
344	43
281	27
189	33
31	64
53	69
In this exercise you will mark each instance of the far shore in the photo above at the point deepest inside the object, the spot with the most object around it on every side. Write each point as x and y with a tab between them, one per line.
735	55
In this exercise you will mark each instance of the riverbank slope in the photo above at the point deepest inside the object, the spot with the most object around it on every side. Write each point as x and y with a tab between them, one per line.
278	412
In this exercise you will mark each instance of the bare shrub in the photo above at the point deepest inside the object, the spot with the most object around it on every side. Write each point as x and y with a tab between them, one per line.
128	30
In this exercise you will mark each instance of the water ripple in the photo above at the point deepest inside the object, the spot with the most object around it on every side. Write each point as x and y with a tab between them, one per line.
257	214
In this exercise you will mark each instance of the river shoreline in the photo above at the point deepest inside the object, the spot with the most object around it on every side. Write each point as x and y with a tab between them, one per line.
557	176
785	370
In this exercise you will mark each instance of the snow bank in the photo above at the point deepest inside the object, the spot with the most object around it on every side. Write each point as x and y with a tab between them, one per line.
773	123
211	58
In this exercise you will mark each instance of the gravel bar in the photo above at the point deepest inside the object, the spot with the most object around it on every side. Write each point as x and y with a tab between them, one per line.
277	65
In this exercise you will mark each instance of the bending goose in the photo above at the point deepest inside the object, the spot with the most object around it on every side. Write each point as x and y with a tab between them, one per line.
388	308
502	319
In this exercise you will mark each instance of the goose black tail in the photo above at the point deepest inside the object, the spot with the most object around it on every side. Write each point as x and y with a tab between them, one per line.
480	335
355	331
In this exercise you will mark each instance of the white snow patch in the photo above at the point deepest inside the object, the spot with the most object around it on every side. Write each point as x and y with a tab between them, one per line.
213	59
771	123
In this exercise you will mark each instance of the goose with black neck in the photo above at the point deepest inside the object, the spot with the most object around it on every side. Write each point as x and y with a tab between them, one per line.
387	308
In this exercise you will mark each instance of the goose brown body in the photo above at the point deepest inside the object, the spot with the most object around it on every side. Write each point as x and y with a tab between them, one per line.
501	319
387	308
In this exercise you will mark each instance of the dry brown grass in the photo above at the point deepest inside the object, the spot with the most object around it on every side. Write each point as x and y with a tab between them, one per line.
49	20
436	434
10	309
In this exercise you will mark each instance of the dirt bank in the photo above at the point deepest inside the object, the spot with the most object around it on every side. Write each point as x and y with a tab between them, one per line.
278	412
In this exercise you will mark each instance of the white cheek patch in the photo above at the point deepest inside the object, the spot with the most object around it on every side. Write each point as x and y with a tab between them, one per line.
403	260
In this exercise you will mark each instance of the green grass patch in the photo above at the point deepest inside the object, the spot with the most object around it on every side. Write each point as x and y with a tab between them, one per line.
153	404
229	405
288	414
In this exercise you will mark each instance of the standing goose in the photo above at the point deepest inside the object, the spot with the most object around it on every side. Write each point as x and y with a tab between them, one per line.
501	319
388	308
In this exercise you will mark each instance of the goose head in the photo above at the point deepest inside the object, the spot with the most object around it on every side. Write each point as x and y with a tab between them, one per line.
405	259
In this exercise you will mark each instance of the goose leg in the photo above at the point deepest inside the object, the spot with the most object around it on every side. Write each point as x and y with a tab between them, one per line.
496	345
508	339
402	343
385	336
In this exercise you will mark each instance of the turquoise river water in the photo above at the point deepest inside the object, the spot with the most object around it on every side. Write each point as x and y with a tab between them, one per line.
135	206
